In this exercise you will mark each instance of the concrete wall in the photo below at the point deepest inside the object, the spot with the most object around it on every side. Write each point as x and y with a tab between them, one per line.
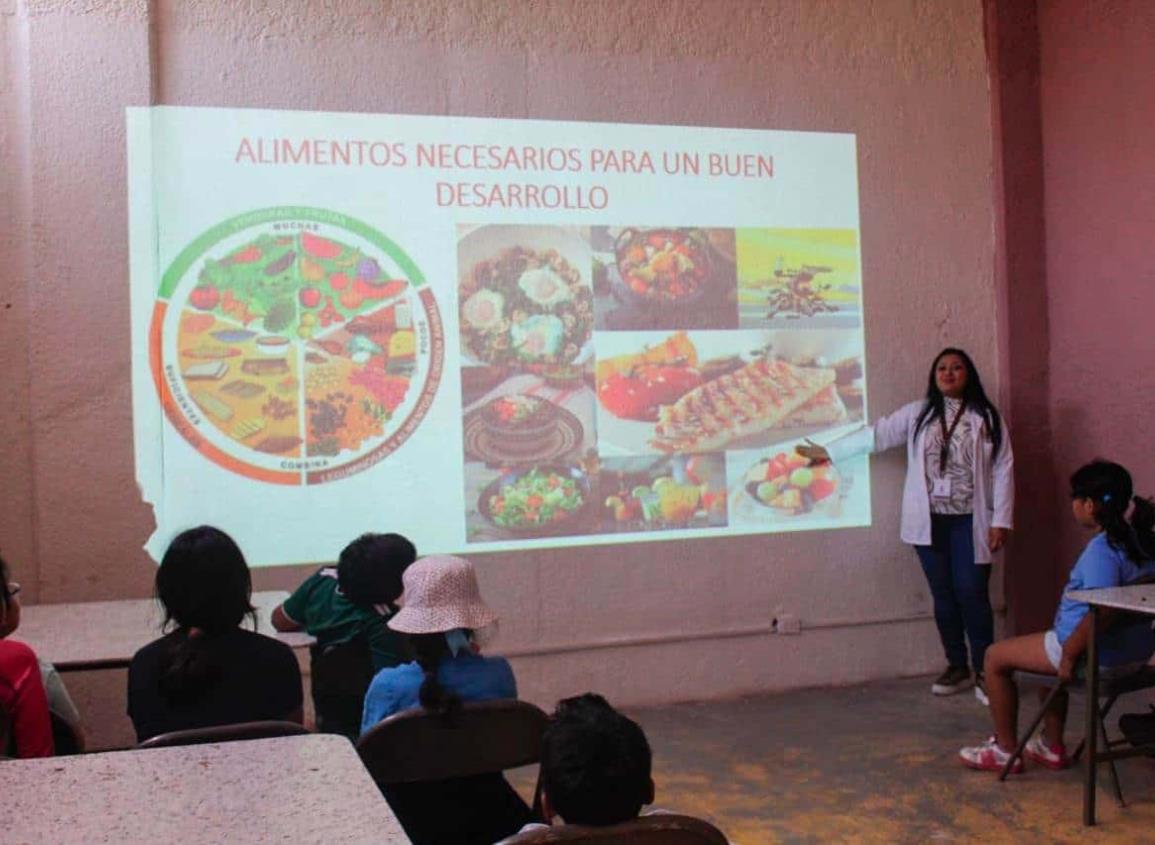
641	623
1098	75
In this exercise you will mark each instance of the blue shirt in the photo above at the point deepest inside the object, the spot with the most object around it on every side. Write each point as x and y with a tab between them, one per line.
1102	565
471	676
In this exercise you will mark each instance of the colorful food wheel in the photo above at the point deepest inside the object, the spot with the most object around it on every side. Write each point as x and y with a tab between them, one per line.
295	345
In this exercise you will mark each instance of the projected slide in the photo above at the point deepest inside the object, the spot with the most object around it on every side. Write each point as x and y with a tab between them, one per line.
488	334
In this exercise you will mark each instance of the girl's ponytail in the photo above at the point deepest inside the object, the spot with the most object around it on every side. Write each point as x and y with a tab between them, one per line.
431	649
188	670
1109	486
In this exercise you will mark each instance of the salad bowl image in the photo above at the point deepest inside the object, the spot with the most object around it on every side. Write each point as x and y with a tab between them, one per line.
538	500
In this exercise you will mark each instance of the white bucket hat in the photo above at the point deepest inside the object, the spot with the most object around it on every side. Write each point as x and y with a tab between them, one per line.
441	595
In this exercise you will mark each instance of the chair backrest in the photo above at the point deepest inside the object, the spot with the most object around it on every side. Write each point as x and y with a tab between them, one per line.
224	733
5	733
340	674
657	829
64	737
483	737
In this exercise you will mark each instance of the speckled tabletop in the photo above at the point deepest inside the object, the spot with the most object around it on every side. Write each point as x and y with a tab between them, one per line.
299	789
106	634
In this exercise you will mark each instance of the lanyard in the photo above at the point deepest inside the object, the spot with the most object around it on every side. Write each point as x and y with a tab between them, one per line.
947	434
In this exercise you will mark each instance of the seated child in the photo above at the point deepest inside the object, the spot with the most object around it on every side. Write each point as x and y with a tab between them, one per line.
21	686
1118	553
441	608
346	607
209	671
595	765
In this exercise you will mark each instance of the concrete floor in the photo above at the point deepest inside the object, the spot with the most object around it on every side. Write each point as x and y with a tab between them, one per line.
874	764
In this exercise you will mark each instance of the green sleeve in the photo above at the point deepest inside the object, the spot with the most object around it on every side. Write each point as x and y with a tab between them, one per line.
296	606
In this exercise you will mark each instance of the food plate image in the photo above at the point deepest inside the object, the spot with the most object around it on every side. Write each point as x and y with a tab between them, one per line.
524	296
694	392
538	500
664	277
799	278
657	493
521	428
778	485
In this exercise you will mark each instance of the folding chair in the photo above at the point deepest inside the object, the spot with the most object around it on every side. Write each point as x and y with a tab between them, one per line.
658	829
1110	689
339	677
437	772
225	733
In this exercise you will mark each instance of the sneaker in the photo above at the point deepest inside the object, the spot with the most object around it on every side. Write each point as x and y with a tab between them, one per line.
988	757
1039	752
981	690
954	679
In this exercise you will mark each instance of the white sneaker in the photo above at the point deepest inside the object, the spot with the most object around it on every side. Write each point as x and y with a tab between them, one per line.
981	690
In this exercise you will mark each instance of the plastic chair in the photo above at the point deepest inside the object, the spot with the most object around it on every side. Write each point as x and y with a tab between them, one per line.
1110	689
657	829
442	777
339	676
64	736
225	733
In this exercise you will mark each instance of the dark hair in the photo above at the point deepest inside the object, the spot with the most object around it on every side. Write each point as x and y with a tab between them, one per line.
204	586
1109	486
5	574
369	569
595	763
974	398
430	650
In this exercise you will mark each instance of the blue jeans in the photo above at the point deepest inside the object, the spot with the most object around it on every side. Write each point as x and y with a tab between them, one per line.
962	605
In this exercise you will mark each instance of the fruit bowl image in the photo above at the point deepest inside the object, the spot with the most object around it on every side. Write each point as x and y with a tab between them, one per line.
787	485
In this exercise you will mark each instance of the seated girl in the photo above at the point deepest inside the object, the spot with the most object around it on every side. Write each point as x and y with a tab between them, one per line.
441	608
1118	553
21	687
209	670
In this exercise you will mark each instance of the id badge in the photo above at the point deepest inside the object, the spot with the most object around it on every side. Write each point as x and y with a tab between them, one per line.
941	489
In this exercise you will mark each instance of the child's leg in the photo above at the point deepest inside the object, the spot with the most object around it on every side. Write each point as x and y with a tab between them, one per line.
1002	659
1055	719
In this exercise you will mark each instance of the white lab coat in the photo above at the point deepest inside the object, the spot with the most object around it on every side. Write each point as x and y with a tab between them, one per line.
994	496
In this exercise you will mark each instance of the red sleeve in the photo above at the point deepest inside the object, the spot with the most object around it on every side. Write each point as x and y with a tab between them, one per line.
22	695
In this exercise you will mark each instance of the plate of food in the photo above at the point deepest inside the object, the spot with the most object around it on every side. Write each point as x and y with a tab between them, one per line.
786	485
524	296
521	428
537	500
663	267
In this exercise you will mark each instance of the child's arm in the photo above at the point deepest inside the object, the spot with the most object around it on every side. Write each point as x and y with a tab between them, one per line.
282	622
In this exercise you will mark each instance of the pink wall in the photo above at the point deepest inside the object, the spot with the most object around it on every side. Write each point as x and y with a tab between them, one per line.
1098	75
643	622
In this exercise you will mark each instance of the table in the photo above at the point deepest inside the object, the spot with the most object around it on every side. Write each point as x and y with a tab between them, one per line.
106	634
299	789
1139	598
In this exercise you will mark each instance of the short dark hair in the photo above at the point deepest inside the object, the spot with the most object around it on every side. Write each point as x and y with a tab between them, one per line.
203	581
595	763
369	569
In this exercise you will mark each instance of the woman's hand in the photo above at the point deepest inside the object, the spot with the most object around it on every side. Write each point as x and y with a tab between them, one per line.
812	452
997	538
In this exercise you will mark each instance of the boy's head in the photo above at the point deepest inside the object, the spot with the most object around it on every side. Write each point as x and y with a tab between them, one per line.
369	569
595	764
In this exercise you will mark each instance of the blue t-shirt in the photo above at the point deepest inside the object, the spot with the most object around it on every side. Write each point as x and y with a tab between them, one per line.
471	676
1102	565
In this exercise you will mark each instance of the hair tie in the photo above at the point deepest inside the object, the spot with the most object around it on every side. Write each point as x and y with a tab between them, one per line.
1106	498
